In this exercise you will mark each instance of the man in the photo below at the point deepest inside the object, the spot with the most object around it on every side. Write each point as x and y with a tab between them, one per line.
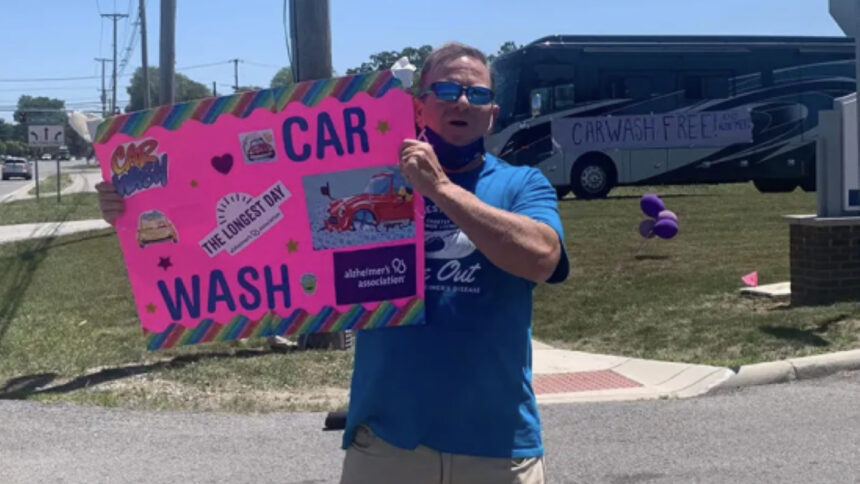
452	401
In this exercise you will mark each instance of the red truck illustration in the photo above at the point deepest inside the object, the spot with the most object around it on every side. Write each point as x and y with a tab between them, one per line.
385	201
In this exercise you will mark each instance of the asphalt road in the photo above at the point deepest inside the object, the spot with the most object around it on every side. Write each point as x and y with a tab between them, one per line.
46	168
802	432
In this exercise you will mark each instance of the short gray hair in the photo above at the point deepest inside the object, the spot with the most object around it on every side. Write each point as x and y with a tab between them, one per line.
448	52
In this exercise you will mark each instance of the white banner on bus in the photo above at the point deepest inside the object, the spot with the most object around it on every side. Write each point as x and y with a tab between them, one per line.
668	130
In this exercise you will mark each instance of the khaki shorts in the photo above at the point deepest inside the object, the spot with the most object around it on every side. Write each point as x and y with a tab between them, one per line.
371	460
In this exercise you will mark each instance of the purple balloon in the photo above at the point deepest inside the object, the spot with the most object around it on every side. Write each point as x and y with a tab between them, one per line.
667	214
652	205
646	228
666	228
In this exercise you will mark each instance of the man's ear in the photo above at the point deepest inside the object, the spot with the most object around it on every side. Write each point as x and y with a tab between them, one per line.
418	108
493	116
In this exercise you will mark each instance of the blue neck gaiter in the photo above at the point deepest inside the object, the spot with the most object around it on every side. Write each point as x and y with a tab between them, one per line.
453	157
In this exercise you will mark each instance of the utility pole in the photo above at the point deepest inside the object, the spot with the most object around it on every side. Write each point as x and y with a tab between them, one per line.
115	17
104	91
167	52
311	43
147	103
310	30
214	90
235	74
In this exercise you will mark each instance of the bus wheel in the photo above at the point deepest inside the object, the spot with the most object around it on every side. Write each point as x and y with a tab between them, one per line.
775	185
592	177
562	192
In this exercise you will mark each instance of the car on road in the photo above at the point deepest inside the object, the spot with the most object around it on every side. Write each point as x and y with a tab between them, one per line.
46	157
63	153
14	167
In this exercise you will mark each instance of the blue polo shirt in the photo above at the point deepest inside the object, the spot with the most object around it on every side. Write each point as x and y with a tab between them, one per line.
462	383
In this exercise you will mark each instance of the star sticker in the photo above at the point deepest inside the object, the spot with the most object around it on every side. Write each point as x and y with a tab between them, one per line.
150	308
292	246
383	127
193	183
164	263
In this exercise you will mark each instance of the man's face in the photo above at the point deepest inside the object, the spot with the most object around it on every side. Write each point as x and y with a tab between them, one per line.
457	122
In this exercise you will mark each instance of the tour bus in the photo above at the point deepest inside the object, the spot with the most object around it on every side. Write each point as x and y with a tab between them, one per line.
594	112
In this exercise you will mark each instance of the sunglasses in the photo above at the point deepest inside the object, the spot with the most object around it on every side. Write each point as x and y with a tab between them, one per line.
451	91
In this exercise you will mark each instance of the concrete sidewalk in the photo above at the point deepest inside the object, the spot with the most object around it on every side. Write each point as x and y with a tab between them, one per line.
12	233
564	376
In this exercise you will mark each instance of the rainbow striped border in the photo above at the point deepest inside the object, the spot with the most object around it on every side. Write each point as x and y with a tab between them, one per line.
328	320
241	105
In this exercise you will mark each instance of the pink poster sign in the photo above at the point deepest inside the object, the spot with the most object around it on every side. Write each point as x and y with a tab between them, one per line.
273	212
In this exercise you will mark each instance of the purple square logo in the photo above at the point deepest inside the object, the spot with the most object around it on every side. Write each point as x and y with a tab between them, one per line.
372	275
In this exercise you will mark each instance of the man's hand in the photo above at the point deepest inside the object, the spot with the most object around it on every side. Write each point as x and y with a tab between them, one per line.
421	168
111	204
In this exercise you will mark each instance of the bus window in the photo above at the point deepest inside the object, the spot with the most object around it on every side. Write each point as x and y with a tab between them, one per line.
706	87
506	82
564	96
630	87
546	100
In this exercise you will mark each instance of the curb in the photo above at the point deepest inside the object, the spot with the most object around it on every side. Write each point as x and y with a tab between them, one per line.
785	371
11	196
78	185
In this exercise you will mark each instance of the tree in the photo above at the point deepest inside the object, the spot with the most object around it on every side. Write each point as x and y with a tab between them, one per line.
77	145
19	132
16	148
7	130
248	88
186	89
508	46
283	77
40	110
384	60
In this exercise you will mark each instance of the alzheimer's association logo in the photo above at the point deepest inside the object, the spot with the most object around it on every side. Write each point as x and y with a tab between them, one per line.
137	166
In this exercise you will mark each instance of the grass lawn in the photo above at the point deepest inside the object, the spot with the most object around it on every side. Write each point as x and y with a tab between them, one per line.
49	184
68	331
68	328
74	206
677	299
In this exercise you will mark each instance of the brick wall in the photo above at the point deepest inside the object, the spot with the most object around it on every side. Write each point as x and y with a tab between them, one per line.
825	263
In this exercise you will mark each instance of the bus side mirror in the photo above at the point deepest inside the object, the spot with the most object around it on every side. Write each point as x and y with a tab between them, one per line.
537	104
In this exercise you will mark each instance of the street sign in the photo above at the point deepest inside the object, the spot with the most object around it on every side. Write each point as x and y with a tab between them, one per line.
843	12
46	135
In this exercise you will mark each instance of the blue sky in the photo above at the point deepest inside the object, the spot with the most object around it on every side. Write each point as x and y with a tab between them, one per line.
60	38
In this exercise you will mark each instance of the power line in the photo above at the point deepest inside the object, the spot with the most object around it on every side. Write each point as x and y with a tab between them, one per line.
88	78
131	43
51	79
52	88
114	17
198	66
260	64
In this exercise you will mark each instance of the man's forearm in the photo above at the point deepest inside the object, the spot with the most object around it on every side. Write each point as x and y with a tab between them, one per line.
513	242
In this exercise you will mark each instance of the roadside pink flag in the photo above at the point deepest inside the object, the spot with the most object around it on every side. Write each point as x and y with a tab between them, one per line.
751	279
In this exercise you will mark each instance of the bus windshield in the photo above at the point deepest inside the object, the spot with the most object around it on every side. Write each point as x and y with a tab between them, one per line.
506	73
